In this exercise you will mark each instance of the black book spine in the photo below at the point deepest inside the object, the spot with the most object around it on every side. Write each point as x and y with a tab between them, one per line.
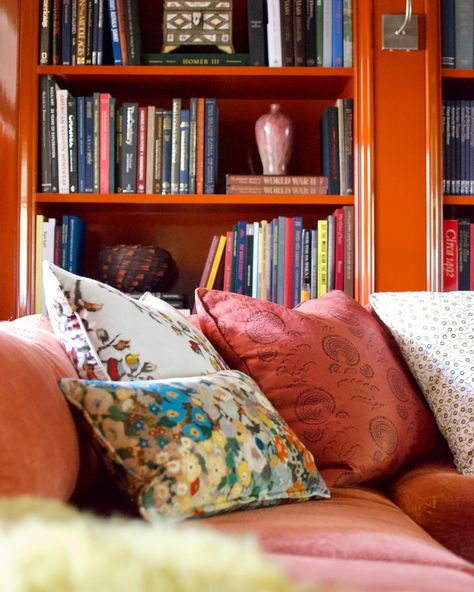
66	31
128	156
330	149
132	29
464	238
89	31
310	33
56	36
45	32
72	142
299	27
448	55
256	32
53	133
45	136
287	33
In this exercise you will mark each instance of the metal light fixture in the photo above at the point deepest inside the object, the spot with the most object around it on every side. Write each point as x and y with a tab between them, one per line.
400	32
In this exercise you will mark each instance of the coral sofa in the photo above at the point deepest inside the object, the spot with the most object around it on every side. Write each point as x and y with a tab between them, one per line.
413	531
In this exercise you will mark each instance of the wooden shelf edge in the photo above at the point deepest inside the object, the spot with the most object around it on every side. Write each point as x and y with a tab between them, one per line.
458	200
457	73
170	200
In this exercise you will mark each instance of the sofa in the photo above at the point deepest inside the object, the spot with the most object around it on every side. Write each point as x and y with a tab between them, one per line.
410	531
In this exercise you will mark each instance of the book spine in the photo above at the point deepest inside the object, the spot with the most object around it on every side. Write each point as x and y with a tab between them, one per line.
208	262
100	33
158	151
132	29
256	32
166	160
341	146
197	59
299	27
112	141
118	148
62	136
348	154
330	149
229	245
464	243
73	31
96	128
95	31
210	283
81	32
306	266
281	260
128	160
75	241
52	104
310	33
322	257
471	258
56	36
337	34
241	257
141	149
316	181
89	145
210	145
200	132
256	260
122	32
72	142
288	263
339	250
89	31
81	144
276	189
114	32
464	33
45	135
331	248
297	259
248	276
235	236
448	43
149	150
45	32
319	15
314	263
347	33
450	255
327	33
192	144
184	152
471	150
287	32
104	142
349	250
66	57
64	241
175	138
274	49
275	243
39	231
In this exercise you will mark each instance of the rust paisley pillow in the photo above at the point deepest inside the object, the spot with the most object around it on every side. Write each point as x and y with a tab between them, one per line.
196	446
110	336
329	369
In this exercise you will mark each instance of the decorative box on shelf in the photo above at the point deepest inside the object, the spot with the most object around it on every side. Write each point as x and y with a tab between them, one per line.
197	22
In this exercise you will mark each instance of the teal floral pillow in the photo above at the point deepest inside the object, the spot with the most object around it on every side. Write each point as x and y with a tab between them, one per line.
196	446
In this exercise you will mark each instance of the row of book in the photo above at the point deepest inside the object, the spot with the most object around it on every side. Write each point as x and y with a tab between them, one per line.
60	241
283	262
93	144
300	32
458	146
337	147
458	254
81	32
457	34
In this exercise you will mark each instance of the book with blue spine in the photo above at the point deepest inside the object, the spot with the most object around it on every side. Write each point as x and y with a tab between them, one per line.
184	152
114	33
297	256
241	246
66	33
448	42
330	149
45	135
166	156
192	143
81	143
337	34
175	141
89	145
210	145
75	243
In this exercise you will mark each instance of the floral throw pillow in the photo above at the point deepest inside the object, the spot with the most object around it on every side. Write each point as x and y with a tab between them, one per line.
196	446
110	336
435	332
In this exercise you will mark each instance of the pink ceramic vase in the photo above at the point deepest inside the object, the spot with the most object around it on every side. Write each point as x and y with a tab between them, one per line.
274	134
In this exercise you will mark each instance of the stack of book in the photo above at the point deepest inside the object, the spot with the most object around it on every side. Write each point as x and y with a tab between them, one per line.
281	261
72	32
458	147
91	144
337	150
60	241
300	32
458	254
277	184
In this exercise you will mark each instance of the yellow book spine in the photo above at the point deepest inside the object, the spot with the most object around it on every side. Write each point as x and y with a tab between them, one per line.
39	253
217	260
322	257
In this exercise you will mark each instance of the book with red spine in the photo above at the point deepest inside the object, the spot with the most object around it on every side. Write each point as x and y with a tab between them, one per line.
229	246
141	149
104	142
288	266
450	255
339	258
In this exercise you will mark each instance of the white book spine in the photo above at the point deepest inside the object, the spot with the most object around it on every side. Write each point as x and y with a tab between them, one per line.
327	33
275	56
62	139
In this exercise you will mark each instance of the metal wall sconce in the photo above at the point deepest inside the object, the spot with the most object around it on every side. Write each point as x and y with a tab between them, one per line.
400	32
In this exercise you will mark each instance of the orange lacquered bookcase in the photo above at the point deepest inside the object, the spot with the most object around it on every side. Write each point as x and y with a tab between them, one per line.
397	151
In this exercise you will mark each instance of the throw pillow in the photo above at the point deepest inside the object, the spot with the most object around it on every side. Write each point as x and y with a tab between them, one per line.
196	446
110	336
435	332
330	372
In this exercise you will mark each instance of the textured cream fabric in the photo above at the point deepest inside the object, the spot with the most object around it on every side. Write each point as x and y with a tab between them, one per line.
435	332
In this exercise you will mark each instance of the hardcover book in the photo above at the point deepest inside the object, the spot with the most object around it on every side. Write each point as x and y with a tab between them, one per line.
197	59
256	32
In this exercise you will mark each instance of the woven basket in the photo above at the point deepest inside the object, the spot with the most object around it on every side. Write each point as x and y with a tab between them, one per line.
137	268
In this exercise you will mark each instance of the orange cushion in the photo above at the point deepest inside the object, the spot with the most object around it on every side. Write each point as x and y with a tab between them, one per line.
441	500
331	373
39	448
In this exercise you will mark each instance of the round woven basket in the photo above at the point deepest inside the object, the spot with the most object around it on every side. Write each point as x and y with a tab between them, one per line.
137	268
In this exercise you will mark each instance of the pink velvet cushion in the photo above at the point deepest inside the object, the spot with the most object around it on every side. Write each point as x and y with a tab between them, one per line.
441	500
39	448
329	370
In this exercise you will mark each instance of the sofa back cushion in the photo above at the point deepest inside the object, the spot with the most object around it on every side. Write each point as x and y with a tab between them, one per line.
329	369
39	447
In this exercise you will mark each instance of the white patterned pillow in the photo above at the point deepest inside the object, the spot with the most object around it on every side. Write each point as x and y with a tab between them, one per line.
435	332
110	336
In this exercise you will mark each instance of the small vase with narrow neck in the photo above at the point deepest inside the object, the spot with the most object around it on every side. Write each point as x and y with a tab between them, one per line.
274	134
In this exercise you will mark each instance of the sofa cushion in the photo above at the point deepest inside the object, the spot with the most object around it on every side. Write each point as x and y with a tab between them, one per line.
331	373
441	500
196	446
435	334
39	447
111	336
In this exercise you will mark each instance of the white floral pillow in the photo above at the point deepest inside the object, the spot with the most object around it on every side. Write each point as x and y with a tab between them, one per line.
110	336
435	332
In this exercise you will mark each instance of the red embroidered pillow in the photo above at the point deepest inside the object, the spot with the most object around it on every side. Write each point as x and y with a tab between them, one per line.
329	369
